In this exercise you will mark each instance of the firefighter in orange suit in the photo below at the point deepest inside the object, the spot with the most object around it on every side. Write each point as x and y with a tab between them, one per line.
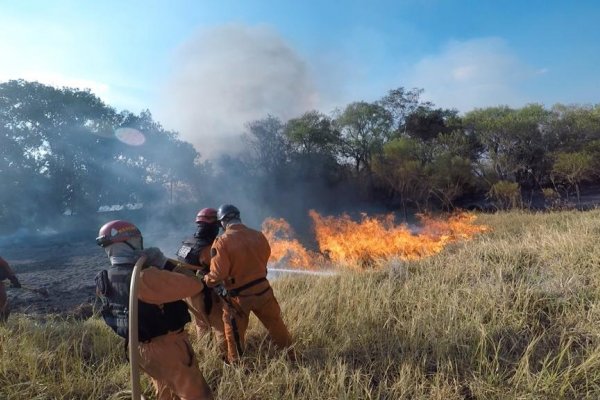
6	273
166	354
195	250
238	269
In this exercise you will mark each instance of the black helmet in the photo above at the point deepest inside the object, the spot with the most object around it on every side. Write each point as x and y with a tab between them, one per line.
227	212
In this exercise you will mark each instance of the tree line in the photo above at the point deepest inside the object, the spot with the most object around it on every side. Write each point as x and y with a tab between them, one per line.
59	157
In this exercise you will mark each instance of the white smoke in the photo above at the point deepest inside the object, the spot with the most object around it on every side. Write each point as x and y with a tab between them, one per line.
475	73
227	76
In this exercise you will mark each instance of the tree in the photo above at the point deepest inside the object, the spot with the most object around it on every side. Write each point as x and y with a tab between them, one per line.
572	127
400	103
427	123
268	146
364	127
450	176
312	133
514	142
573	168
403	172
506	194
59	149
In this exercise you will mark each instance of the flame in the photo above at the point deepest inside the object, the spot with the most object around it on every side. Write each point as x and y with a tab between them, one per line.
363	243
285	249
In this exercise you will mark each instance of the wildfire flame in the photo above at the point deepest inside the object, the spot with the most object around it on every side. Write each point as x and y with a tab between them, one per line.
284	247
360	244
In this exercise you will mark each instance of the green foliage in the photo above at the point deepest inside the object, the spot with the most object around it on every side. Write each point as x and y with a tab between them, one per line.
58	148
450	176
506	194
402	171
426	123
551	197
573	168
401	103
312	133
572	127
364	127
514	141
270	147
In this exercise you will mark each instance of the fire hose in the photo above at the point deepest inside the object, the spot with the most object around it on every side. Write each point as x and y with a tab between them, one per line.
134	352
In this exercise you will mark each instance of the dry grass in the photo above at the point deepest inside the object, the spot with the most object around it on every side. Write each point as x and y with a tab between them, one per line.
514	314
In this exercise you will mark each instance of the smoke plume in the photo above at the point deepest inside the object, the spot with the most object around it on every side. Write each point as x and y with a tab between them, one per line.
227	76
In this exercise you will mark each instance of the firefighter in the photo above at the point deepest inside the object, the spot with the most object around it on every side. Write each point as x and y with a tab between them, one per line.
166	354
238	268
6	273
206	308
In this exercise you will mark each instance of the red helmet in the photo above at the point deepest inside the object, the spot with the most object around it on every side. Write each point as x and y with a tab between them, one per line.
208	215
117	231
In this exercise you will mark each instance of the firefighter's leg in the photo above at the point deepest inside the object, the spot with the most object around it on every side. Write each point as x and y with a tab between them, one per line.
269	314
235	323
196	308
216	321
170	361
162	390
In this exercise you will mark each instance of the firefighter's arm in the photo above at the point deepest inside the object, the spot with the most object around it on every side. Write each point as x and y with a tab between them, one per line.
158	286
220	265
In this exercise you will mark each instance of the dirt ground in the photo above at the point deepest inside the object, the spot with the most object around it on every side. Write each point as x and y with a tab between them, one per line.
66	271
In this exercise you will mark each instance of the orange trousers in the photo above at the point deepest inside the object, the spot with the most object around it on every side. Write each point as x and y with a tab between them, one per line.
4	306
170	361
205	323
267	310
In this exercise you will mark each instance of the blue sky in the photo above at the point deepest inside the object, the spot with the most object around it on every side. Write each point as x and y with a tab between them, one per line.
212	66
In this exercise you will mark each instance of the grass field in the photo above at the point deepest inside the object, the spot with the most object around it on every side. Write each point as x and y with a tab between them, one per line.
513	314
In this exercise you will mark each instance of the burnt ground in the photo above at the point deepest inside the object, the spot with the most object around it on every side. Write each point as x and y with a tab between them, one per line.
65	270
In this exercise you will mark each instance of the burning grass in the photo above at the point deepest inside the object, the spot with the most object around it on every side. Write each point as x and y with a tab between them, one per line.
513	314
368	242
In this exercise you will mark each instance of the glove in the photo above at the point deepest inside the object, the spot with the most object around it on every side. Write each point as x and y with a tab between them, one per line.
155	257
14	282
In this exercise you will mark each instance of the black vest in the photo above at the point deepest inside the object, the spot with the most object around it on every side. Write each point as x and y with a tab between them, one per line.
153	320
190	250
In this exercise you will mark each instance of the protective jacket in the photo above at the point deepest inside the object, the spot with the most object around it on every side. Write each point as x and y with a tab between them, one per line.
239	257
154	320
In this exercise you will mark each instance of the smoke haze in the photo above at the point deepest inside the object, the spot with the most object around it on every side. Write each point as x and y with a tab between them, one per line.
227	76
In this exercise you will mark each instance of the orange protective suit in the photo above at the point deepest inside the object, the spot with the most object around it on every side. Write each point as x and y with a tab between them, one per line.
240	257
5	273
169	359
214	319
